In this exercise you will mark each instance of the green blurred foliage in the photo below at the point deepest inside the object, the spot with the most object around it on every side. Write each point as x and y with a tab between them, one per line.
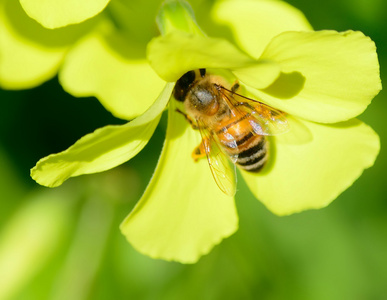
65	243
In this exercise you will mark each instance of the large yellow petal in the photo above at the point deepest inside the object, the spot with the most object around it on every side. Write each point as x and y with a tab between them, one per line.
53	14
254	23
194	51
326	76
103	149
312	164
108	66
183	213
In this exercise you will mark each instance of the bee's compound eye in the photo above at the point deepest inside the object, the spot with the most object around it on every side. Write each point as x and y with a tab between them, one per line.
183	84
186	79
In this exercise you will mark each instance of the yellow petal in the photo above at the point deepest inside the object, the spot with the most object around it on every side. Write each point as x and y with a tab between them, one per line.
311	171
54	14
259	75
255	23
183	213
190	52
106	65
25	60
103	149
326	76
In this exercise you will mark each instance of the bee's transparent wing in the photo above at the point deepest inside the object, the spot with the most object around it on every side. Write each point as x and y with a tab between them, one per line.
223	171
267	120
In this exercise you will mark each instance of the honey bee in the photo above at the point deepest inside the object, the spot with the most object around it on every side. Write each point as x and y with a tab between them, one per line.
233	127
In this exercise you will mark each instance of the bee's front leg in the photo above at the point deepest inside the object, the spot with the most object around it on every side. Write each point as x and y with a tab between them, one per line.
235	87
188	118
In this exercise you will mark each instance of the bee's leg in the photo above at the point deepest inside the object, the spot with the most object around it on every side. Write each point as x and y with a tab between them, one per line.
235	87
199	152
188	118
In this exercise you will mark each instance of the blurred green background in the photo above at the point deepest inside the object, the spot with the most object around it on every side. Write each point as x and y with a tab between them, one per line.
64	243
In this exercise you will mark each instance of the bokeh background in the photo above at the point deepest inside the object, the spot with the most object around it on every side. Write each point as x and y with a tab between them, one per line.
64	243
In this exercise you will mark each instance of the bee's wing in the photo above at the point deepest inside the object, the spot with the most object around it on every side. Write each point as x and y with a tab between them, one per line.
267	120
222	170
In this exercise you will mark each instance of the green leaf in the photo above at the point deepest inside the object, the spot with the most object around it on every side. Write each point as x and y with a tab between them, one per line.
107	65
182	213
88	247
326	76
53	14
255	23
30	238
135	19
103	149
177	15
312	164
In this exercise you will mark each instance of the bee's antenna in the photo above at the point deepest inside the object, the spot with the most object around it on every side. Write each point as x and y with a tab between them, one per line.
220	87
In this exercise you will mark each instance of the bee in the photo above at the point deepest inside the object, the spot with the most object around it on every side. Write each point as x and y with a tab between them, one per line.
233	127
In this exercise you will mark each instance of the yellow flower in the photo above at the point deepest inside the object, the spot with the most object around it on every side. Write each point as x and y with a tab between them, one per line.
322	80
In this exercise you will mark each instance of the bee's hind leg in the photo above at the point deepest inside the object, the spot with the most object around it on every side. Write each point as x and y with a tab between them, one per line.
199	152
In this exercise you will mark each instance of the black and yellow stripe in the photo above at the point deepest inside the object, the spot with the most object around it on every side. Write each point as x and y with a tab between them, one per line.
249	151
253	158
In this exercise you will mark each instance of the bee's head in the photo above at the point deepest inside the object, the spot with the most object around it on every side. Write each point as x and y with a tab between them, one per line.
203	98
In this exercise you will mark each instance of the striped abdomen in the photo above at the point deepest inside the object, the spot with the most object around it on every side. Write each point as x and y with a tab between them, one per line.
245	148
254	157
